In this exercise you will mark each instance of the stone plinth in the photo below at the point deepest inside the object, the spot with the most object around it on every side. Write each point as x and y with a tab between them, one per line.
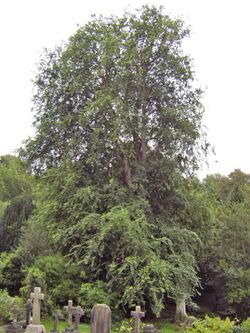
35	329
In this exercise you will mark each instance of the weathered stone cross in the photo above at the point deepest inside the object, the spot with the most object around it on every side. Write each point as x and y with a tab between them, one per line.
69	308
58	316
77	313
37	297
137	314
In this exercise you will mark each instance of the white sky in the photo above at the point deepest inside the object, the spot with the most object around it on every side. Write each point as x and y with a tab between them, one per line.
219	45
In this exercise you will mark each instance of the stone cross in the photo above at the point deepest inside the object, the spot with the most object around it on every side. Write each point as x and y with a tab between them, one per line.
57	317
137	314
69	308
77	313
100	319
37	297
15	313
28	307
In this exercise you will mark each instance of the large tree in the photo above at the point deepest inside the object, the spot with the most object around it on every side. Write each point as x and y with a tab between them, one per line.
118	124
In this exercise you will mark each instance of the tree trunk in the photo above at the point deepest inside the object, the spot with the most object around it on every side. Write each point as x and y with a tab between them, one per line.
180	315
126	173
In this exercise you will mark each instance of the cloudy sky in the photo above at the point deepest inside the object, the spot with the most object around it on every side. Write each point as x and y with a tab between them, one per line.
219	46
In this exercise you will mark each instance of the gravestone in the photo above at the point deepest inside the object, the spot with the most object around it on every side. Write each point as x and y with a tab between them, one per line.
37	297
69	308
14	327
57	316
77	312
28	308
36	326
137	314
100	319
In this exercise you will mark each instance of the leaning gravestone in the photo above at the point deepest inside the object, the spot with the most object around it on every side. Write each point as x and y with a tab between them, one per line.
137	314
36	326
57	316
100	319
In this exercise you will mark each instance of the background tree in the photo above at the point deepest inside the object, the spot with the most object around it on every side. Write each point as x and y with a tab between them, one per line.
16	202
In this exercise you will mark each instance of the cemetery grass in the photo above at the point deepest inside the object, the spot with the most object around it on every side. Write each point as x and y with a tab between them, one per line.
165	327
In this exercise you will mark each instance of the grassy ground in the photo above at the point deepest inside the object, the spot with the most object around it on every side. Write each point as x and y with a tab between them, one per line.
165	327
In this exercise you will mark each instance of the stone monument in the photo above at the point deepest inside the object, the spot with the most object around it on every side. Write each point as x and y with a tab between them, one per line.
69	308
14	326
77	313
57	316
28	308
137	314
36	326
100	319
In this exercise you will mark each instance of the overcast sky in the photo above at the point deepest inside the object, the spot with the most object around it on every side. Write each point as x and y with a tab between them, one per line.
219	46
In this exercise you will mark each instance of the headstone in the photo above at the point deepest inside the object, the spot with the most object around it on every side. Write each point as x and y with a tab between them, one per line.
77	313
14	327
36	327
28	308
57	316
100	319
37	297
137	314
150	328
69	308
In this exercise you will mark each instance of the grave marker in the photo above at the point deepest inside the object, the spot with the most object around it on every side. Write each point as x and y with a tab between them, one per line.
77	312
137	314
37	297
100	319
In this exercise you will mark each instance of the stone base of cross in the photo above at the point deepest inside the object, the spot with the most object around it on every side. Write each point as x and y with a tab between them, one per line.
35	329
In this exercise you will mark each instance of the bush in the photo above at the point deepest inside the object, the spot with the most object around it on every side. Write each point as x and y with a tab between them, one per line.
211	325
91	294
6	304
58	279
246	326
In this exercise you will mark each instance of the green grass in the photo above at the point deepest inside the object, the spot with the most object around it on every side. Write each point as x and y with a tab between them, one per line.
164	326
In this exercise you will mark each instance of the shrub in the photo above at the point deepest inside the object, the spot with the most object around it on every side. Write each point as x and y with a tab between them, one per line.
6	304
211	325
91	294
246	326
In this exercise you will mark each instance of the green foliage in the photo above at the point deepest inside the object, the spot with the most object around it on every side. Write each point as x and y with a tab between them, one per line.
58	279
33	242
93	293
11	274
6	304
16	203
126	120
246	326
211	325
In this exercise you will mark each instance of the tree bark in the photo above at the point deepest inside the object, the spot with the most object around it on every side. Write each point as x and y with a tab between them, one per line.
126	173
181	314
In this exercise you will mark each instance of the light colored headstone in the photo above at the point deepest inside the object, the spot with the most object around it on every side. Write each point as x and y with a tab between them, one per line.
100	319
37	296
36	327
137	314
